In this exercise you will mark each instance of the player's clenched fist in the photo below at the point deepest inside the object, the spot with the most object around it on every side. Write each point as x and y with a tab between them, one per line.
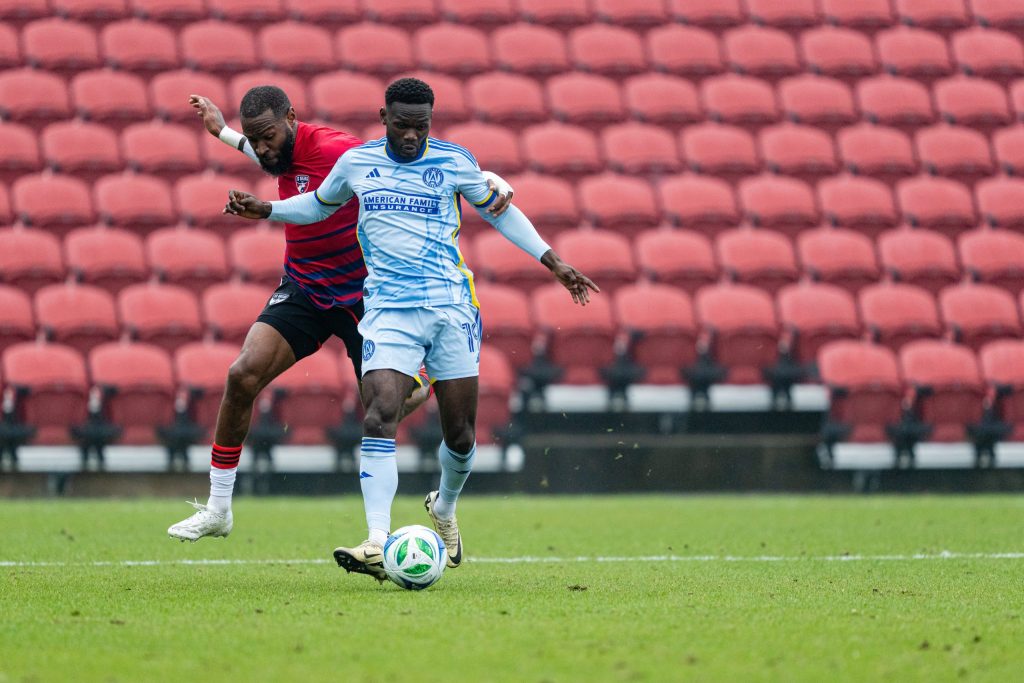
246	205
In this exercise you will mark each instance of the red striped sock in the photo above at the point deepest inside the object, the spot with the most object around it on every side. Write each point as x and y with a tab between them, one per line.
225	457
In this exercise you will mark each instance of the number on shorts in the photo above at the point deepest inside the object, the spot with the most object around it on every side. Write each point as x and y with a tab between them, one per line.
471	333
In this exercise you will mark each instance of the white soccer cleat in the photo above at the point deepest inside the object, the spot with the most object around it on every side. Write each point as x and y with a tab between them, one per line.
447	529
205	522
365	558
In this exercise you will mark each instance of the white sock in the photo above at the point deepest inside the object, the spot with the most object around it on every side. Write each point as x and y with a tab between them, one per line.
378	478
455	469
223	468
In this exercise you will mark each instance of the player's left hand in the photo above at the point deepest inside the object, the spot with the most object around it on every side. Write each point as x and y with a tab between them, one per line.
500	187
246	205
578	284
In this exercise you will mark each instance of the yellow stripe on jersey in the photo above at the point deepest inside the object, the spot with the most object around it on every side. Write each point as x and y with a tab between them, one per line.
462	259
490	195
316	194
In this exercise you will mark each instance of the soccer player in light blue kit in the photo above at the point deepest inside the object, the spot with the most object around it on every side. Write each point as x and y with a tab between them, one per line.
421	304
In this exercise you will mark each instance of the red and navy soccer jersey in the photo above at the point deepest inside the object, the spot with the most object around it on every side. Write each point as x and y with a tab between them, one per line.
323	259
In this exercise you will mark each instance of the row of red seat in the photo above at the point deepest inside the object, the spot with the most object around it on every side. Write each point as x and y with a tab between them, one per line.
868	15
308	49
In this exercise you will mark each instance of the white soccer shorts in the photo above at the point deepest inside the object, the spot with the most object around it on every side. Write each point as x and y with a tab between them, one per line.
446	339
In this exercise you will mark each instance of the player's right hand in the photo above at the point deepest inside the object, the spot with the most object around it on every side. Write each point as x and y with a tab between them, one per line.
208	111
246	205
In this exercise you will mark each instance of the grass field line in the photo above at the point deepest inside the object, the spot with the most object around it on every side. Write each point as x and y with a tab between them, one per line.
531	559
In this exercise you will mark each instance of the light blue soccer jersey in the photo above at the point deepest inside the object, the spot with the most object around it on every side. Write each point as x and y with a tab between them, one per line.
409	220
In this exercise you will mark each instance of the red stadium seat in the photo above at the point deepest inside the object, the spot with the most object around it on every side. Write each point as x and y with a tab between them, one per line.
638	14
893	101
914	53
506	99
374	48
720	150
876	151
739	330
169	93
496	148
994	257
801	151
1008	145
142	47
231	308
863	15
60	45
10	51
922	258
52	201
1001	201
817	101
18	11
110	97
761	52
662	99
137	201
618	202
30	258
840	53
1002	366
972	102
194	259
19	151
201	200
663	333
947	387
297	48
684	51
608	50
762	258
713	14
561	149
86	150
201	369
936	203
862	204
327	13
497	383
247	11
218	47
740	100
310	397
165	315
142	382
172	12
509	327
585	99
177	153
477	12
549	202
558	13
864	387
449	100
458	50
639	148
579	339
977	314
699	203
791	15
680	258
604	256
6	216
1004	14
813	314
988	53
531	50
91	10
33	97
80	316
935	15
502	262
840	257
959	153
256	255
404	12
895	314
342	97
17	323
778	202
294	86
109	258
1017	98
57	388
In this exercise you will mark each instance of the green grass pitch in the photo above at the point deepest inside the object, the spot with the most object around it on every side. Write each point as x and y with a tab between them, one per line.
755	588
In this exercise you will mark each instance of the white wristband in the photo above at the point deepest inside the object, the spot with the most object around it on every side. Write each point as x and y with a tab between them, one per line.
230	136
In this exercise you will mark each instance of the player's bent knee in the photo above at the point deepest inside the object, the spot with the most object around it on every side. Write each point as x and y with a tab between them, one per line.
381	419
244	381
462	440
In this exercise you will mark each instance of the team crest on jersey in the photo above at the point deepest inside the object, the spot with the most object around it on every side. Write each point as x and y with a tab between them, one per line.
368	348
301	183
433	176
277	298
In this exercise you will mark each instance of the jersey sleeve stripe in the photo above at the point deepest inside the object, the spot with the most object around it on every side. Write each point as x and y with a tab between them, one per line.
487	201
316	195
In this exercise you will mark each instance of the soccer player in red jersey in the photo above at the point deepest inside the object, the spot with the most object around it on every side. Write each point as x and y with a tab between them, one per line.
320	294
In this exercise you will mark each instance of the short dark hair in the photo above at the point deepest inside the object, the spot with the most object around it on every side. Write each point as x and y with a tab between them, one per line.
409	91
262	98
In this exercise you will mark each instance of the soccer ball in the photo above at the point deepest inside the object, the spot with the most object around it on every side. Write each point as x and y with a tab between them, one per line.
414	557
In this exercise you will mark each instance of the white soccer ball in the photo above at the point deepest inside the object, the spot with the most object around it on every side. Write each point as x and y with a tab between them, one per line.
414	557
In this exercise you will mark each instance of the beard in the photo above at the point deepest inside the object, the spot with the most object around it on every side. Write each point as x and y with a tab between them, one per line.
284	157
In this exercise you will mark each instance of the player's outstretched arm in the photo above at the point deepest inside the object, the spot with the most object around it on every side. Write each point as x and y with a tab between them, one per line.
500	187
213	119
578	284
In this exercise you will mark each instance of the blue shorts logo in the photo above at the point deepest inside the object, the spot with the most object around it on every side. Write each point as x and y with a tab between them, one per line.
368	348
433	176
